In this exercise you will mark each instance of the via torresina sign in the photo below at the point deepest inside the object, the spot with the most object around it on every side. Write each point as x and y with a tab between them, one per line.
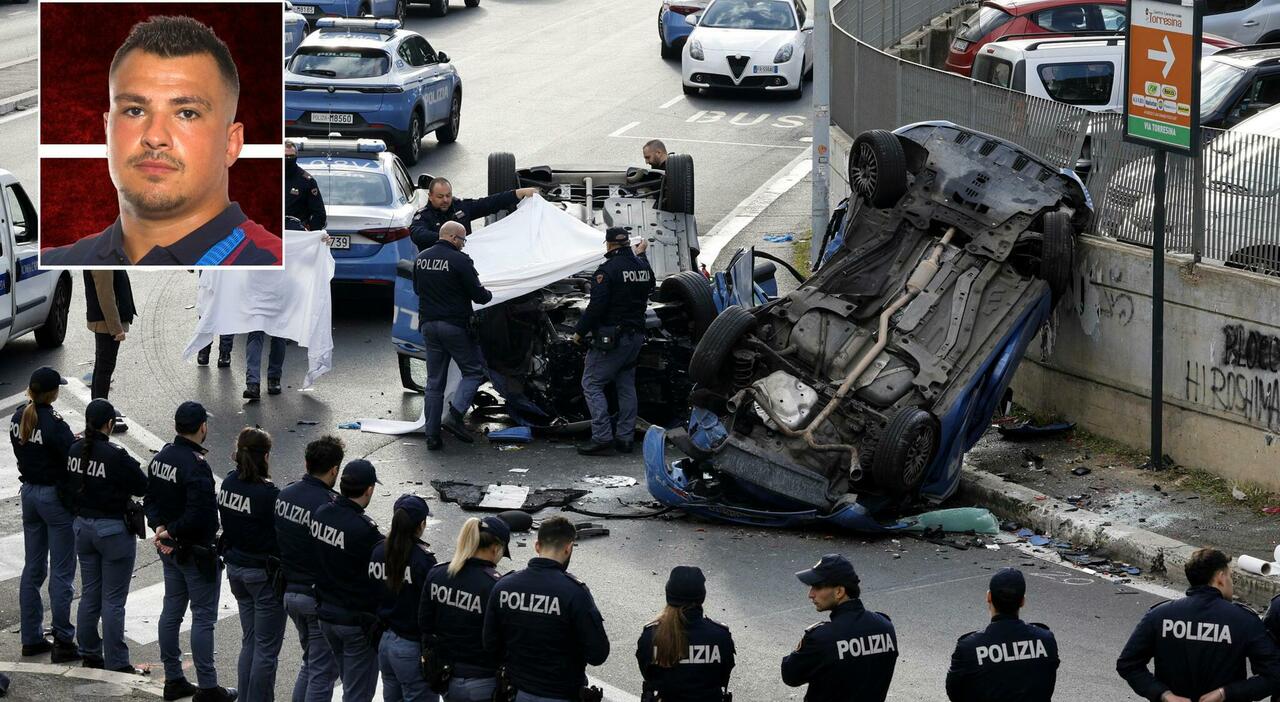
1162	95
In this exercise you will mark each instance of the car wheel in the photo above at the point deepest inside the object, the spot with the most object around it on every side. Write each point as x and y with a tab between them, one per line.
449	132
669	51
473	3
677	184
440	8
689	89
905	450
878	168
795	94
1057	253
412	148
413	372
693	292
502	178
54	329
709	366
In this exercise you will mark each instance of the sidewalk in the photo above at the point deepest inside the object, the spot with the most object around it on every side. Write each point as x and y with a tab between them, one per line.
55	683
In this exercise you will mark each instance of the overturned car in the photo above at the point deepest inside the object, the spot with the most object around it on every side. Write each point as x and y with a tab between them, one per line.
858	394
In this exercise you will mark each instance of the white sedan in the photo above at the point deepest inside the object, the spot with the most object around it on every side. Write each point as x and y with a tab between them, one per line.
753	44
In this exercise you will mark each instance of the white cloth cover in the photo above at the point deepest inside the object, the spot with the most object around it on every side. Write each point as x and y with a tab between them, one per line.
294	303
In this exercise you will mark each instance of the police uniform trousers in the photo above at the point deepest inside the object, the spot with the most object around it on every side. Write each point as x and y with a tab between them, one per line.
356	659
400	660
470	689
253	357
107	552
49	544
446	341
318	671
617	365
226	342
262	621
185	585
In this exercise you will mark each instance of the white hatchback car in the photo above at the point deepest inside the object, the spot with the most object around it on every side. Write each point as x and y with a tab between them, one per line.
749	44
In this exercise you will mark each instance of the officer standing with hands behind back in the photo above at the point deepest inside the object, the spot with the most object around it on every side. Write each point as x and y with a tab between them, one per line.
614	319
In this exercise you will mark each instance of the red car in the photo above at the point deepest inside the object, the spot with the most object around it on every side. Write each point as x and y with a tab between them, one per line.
998	18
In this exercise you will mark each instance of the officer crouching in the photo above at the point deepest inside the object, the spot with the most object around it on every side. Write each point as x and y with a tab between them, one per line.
1010	659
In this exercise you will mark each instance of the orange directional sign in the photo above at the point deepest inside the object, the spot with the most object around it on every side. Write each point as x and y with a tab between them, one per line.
1162	101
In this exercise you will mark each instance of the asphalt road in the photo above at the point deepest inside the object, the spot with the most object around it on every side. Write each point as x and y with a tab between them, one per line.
18	149
563	82
17	32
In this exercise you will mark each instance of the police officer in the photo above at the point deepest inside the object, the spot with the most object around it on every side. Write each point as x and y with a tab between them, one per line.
443	207
295	506
615	319
1010	659
302	199
348	597
40	441
247	506
1200	643
699	672
454	601
851	657
655	154
182	509
103	479
542	623
446	282
400	566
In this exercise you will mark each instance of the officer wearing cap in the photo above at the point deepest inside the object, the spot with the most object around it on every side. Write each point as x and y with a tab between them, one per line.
295	507
302	195
443	207
451	614
614	319
103	479
1010	659
1200	643
348	597
247	505
182	509
851	657
446	282
400	565
40	441
542	623
699	670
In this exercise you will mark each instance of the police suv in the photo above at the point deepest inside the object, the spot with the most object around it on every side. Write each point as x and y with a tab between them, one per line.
295	29
31	299
370	78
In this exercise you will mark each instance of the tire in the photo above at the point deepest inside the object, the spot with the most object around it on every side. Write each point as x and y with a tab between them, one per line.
1057	253
709	367
51	334
406	373
693	292
440	8
502	172
669	51
677	184
449	132
689	89
794	94
904	451
473	3
411	150
878	168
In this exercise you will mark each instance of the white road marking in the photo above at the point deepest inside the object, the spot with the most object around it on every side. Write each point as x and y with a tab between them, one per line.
679	140
1137	584
18	115
726	229
670	102
142	611
622	130
149	441
12	556
100	151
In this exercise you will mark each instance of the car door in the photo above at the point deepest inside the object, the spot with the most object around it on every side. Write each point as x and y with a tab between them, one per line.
805	23
1241	20
437	90
31	289
6	284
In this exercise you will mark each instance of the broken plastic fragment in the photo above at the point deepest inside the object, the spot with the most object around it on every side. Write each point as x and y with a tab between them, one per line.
1038	540
349	425
1081	471
957	519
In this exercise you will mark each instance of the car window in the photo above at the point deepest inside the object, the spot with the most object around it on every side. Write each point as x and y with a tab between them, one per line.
1078	83
1070	19
339	63
983	22
22	216
800	11
402	179
749	14
419	54
357	188
1262	94
1266	123
1220	7
1218	80
995	71
1113	18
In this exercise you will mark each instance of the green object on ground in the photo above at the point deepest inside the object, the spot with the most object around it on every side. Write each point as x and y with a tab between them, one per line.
957	519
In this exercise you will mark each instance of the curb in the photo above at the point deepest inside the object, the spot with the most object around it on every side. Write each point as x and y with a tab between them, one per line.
1154	553
21	101
133	682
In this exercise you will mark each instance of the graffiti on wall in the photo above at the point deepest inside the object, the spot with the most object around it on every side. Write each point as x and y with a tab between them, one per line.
1244	380
1097	298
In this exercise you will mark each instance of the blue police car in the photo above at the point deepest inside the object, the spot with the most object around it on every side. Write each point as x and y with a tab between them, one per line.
673	28
314	10
295	29
371	78
369	202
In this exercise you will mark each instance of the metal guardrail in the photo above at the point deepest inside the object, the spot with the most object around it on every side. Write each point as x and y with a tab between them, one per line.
880	23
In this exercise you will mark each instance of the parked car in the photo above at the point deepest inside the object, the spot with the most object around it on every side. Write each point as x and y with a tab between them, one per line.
673	29
314	10
1246	21
33	300
296	29
372	78
1000	18
1237	83
751	44
860	392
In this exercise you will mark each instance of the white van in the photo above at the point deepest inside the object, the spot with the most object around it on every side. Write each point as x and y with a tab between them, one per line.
31	299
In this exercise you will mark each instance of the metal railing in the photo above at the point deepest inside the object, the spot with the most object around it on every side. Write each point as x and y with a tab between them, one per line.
881	23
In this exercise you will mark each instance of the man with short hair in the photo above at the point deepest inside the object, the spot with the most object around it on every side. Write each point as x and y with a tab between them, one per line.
443	207
171	140
1010	659
1201	642
542	623
655	154
850	658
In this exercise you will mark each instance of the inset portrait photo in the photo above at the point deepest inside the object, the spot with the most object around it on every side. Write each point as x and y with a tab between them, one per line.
160	134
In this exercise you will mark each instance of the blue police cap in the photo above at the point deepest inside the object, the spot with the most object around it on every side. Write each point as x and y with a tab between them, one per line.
1009	582
98	413
46	379
190	414
617	235
360	472
686	586
499	528
414	505
833	569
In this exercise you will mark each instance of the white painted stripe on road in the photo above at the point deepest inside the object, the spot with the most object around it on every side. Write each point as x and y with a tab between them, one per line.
745	213
680	140
18	115
142	611
149	441
16	62
100	151
1053	558
671	102
623	130
12	556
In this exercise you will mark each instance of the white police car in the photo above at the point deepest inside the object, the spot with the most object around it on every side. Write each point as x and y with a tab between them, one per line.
369	202
370	78
31	299
295	29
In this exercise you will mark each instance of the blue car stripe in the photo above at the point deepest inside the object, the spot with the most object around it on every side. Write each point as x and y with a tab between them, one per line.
28	268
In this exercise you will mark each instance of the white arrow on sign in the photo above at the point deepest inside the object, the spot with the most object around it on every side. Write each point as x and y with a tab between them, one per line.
1165	56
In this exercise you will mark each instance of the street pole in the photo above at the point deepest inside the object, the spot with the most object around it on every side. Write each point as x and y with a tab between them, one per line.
821	123
1157	315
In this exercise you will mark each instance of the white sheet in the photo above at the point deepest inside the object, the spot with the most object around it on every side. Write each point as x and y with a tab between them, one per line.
293	304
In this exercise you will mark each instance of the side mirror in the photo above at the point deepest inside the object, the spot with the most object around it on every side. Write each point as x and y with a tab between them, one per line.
694	19
424	181
442	57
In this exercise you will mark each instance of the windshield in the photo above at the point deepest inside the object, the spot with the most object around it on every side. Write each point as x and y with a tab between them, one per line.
339	63
350	187
1217	80
986	21
749	14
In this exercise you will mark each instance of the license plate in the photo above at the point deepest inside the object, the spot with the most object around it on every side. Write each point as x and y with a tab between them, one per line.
332	118
340	241
304	9
764	69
